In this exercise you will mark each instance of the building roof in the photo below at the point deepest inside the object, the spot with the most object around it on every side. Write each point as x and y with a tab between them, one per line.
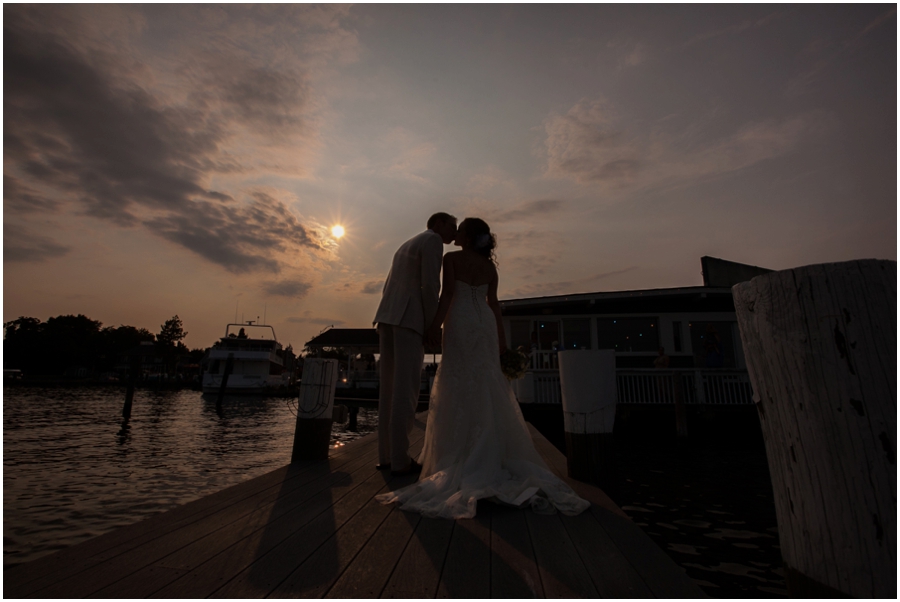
345	337
684	299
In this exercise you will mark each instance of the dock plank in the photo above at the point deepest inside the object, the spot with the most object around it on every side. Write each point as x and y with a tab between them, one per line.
418	570
319	572
276	565
369	572
467	568
611	573
562	570
260	527
514	571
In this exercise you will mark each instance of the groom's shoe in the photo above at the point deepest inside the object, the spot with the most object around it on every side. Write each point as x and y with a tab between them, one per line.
413	468
383	466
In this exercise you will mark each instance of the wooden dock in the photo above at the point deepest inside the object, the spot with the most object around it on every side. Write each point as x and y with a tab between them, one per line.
314	529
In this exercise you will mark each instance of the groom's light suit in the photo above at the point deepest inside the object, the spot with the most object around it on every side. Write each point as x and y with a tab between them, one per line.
408	305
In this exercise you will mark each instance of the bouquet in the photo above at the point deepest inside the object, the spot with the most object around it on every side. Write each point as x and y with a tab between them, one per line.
514	363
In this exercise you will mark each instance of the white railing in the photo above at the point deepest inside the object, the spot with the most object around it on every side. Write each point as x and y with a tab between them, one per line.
698	386
651	386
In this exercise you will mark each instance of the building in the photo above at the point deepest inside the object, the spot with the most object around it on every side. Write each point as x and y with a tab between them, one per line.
695	325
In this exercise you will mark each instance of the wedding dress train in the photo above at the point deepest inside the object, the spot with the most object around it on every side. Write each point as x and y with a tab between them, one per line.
477	445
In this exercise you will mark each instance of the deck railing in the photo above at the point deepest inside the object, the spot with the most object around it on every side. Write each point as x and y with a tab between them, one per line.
651	386
716	386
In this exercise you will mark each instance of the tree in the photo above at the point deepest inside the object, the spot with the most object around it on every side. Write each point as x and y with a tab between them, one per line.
171	333
169	341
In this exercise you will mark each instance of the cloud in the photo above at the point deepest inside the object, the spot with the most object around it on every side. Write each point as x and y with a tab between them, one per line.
558	288
590	145
22	245
308	318
292	288
18	198
241	238
372	287
92	127
525	211
745	25
823	54
586	144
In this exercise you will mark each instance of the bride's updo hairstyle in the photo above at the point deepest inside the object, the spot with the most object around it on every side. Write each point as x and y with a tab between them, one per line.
478	235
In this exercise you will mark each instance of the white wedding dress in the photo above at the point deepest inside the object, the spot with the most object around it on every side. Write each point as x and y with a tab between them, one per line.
477	445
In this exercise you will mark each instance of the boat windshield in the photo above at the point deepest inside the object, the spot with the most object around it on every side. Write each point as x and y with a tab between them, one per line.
250	331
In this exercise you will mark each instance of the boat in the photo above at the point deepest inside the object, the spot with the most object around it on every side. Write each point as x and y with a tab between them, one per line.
258	364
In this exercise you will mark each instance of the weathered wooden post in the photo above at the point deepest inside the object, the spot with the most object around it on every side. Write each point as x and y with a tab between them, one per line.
353	425
229	366
588	383
315	409
821	349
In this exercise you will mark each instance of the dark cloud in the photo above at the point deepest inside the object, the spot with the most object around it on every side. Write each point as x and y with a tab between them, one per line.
240	238
21	245
296	289
80	121
372	287
19	198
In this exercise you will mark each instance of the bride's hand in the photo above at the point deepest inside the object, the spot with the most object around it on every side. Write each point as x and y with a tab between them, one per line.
433	336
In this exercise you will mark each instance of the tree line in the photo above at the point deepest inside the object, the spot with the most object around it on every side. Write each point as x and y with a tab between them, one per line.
66	343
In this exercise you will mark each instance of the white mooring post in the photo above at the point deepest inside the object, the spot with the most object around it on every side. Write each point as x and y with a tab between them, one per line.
821	348
588	383
315	410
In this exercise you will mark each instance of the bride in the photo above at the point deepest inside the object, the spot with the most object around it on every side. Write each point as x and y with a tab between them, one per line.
476	443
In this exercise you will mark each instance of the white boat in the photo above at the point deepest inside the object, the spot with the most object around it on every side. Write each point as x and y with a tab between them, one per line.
258	360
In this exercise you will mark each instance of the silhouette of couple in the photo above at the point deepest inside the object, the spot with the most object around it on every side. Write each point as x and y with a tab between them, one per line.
477	445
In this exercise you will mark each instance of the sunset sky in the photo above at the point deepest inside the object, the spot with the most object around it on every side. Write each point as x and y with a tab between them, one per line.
192	160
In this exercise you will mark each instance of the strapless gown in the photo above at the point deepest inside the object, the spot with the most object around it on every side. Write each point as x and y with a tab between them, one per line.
477	445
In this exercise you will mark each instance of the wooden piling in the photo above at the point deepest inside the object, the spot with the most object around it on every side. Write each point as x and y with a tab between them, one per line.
588	384
354	415
229	366
821	349
134	369
315	408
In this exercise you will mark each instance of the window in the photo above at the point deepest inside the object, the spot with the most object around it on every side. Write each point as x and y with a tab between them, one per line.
628	334
676	335
520	334
576	334
548	334
713	344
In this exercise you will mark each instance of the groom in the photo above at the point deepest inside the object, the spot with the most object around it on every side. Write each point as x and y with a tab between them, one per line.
408	304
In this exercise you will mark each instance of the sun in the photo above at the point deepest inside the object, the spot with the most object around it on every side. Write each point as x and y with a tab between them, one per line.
337	231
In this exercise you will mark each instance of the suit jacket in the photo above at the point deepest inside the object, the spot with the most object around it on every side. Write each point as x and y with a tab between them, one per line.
412	288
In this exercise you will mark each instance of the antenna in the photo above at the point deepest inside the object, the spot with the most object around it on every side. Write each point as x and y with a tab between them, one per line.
236	303
264	312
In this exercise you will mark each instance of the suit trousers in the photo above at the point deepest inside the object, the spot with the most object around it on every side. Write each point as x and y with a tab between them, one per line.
402	353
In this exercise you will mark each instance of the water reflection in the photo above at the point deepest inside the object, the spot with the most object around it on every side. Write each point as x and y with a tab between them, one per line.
72	470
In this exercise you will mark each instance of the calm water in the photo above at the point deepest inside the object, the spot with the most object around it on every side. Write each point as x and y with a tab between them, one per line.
70	472
710	507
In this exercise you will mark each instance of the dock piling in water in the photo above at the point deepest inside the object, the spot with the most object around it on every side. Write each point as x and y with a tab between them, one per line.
821	349
229	366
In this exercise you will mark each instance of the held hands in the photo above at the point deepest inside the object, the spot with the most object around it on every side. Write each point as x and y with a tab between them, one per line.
433	336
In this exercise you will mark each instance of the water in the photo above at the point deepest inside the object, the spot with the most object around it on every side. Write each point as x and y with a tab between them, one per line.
70	472
710	507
